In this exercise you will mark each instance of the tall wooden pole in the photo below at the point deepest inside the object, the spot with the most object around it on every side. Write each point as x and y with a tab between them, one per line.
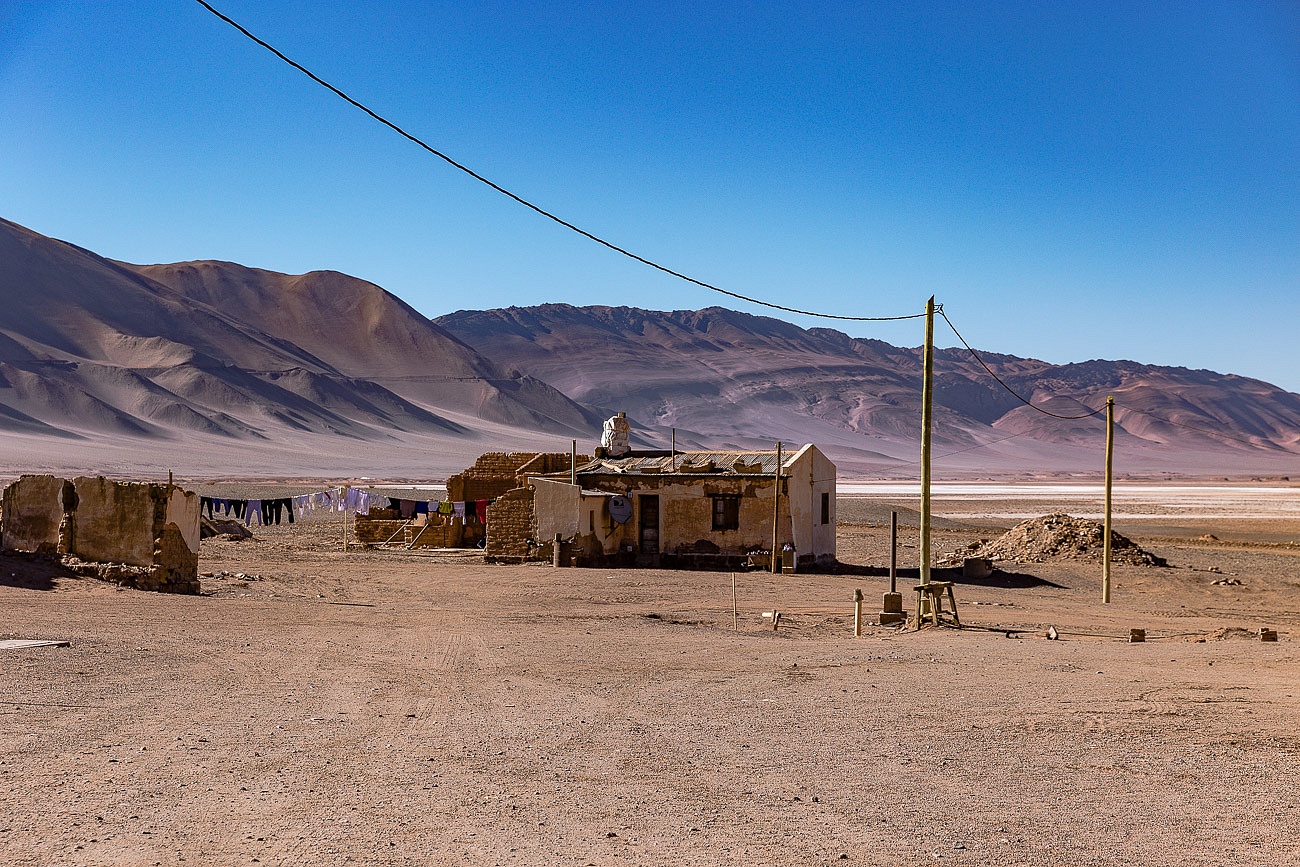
776	514
1110	462
927	394
573	466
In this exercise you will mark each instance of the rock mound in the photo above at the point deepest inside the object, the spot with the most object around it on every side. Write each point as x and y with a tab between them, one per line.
1061	537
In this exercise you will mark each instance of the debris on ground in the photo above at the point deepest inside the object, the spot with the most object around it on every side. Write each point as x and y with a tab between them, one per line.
230	531
1056	537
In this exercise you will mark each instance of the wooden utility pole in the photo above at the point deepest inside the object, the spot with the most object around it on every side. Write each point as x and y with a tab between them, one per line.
927	395
573	466
1110	461
776	515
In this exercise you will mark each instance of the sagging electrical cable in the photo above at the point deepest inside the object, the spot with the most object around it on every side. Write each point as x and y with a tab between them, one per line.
1009	389
527	204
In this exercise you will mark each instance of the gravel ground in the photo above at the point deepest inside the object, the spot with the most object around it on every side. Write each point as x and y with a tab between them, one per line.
381	707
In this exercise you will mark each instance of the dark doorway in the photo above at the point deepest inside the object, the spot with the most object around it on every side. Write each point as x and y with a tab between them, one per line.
649	523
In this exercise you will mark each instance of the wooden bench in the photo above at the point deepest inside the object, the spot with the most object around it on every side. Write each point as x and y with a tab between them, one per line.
933	593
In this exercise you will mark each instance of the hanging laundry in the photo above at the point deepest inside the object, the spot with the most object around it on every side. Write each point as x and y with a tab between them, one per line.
480	509
253	507
446	508
363	503
458	508
421	507
406	508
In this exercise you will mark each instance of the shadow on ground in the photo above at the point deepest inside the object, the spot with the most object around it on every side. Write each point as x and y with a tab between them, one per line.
908	578
31	571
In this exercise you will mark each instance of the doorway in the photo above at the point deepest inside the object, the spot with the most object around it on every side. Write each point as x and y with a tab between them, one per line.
649	523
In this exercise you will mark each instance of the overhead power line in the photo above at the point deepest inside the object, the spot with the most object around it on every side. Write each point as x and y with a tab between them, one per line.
1009	389
527	204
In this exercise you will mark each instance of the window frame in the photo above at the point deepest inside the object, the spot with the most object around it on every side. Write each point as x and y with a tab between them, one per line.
725	510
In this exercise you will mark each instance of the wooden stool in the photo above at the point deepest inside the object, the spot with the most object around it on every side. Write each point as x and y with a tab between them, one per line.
934	592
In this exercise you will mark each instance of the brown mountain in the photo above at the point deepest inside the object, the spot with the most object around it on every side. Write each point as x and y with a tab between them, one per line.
734	377
92	348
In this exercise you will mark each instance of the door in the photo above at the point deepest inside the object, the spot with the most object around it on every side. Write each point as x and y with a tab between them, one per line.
649	523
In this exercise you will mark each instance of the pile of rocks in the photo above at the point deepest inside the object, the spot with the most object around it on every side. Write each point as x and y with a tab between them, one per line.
1057	537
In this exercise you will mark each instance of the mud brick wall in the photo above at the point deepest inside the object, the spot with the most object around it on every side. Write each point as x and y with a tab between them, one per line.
495	473
33	510
511	526
139	534
491	476
370	531
547	463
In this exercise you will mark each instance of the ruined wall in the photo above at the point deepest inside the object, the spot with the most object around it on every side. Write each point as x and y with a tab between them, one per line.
33	508
494	473
114	521
398	531
491	476
510	527
147	534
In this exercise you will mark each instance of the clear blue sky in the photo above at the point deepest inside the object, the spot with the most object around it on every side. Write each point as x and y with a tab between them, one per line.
1072	180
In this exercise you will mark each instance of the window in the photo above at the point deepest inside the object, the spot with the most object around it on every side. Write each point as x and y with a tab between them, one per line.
826	508
726	512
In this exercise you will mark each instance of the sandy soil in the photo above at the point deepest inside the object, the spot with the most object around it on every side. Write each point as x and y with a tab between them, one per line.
381	707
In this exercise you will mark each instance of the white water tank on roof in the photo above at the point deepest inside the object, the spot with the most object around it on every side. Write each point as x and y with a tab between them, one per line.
616	436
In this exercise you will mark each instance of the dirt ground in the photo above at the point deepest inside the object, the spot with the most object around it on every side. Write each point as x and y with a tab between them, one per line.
382	707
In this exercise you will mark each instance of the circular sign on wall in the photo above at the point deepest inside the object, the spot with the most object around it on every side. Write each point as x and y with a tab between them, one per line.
620	509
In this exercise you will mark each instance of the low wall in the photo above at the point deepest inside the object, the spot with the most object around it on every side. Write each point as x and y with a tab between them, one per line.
147	533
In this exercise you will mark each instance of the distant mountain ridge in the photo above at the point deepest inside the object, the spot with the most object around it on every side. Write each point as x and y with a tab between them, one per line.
92	346
735	375
106	363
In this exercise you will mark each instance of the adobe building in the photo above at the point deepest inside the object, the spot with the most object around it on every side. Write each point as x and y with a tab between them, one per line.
140	534
697	509
492	476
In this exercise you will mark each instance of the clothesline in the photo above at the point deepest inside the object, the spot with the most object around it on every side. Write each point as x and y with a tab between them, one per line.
347	500
274	509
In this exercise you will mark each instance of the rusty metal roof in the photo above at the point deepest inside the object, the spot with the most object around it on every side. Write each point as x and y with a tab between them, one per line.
714	463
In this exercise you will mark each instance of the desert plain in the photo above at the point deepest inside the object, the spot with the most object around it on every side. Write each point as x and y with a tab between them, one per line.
393	707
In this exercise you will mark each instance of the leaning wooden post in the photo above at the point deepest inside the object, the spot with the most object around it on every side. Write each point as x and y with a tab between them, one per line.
776	513
927	399
857	613
1110	460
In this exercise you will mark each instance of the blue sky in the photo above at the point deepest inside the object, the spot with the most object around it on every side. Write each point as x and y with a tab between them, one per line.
1071	180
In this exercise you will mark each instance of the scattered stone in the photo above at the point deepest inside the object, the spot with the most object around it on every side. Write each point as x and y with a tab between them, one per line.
225	529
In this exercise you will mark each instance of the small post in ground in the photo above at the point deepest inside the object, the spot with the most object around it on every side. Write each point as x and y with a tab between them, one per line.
857	612
733	601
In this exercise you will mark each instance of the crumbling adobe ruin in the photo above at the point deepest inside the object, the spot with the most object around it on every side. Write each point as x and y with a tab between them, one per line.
138	534
495	476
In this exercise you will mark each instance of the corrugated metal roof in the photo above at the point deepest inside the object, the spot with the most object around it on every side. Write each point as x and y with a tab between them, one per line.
688	463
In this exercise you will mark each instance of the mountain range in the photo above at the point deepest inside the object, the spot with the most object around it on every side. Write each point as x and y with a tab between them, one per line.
222	369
